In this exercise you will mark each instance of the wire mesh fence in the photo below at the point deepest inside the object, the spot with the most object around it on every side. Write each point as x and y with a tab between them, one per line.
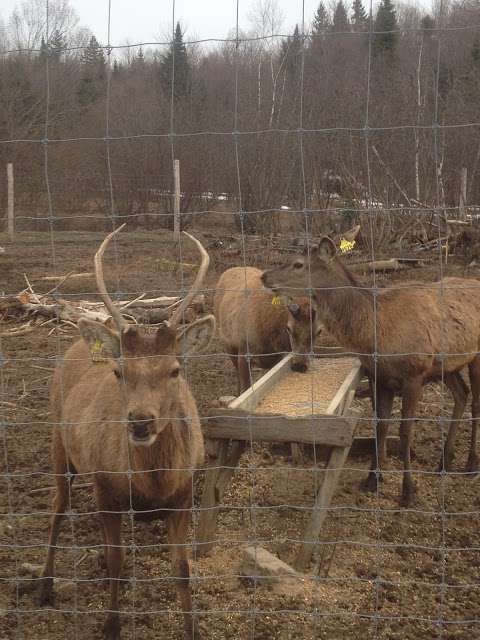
195	430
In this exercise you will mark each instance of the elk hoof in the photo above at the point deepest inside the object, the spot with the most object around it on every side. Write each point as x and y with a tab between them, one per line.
47	595
371	481
111	627
472	463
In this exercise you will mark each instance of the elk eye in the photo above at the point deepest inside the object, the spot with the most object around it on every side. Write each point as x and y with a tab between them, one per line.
289	330
118	373
298	265
175	372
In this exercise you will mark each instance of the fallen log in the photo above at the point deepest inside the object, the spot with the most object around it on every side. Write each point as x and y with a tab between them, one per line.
150	311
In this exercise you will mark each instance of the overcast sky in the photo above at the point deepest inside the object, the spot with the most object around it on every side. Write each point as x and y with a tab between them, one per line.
147	20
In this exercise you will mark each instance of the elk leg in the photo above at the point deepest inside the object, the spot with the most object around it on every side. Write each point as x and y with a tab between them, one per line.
412	393
474	371
112	523
233	355
59	506
384	403
459	390
177	531
243	373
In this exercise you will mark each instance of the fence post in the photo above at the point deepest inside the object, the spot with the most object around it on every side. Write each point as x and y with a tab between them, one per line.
463	194
176	201
10	201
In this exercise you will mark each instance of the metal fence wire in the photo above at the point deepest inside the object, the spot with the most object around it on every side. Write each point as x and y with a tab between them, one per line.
322	354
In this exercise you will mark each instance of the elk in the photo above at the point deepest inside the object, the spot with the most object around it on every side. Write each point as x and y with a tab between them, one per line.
248	323
127	416
405	337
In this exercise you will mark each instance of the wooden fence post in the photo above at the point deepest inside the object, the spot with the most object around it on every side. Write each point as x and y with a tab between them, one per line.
176	202
10	201
463	194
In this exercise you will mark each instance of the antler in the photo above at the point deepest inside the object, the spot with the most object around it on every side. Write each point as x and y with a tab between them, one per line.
177	316
102	289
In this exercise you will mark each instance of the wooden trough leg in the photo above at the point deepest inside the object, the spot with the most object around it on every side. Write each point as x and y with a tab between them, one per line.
336	460
216	481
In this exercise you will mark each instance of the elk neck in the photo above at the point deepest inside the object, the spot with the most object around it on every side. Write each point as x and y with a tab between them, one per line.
347	310
164	461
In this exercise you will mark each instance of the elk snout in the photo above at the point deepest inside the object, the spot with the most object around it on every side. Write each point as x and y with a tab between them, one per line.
141	426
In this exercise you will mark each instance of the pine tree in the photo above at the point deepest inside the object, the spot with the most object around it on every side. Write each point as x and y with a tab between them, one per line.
340	18
291	51
385	37
43	50
92	82
93	55
359	16
175	67
57	44
475	52
321	20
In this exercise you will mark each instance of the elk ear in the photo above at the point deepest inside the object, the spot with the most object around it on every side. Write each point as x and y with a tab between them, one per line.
326	248
102	341
294	309
196	336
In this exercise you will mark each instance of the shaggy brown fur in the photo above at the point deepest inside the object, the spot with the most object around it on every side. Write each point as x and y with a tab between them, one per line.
249	323
408	328
122	412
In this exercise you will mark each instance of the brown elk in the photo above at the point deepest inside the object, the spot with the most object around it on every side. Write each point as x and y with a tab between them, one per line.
405	337
248	323
129	418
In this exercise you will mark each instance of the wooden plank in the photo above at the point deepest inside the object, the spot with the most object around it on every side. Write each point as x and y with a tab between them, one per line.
365	445
332	473
176	200
350	382
10	202
335	431
253	395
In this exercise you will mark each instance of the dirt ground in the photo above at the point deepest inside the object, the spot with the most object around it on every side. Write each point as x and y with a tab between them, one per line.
379	572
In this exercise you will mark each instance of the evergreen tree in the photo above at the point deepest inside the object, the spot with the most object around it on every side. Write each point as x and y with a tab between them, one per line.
58	44
340	18
292	51
475	52
93	55
92	82
43	50
175	67
385	37
321	21
359	16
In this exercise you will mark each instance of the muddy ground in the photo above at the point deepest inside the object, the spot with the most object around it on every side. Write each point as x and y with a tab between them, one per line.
379	571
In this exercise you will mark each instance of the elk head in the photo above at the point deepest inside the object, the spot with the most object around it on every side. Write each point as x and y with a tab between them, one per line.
147	367
317	268
302	327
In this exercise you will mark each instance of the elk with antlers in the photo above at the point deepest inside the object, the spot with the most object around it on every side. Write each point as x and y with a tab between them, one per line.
405	336
250	325
128	417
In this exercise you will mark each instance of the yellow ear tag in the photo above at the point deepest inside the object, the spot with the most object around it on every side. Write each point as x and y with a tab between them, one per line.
96	351
346	245
277	300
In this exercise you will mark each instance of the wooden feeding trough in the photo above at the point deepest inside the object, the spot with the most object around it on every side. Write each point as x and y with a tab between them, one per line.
284	406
